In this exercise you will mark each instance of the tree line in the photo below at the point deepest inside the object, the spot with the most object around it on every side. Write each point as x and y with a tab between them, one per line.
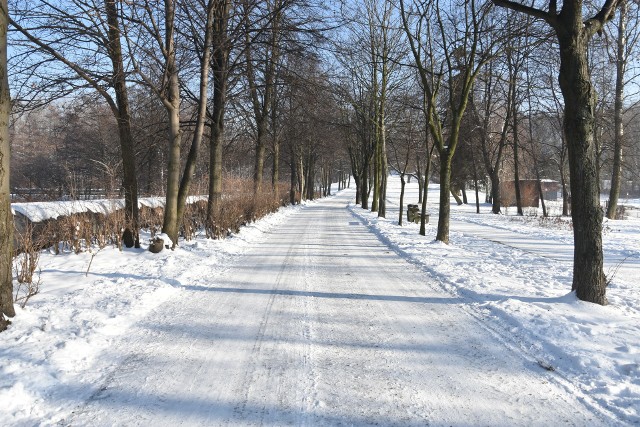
150	96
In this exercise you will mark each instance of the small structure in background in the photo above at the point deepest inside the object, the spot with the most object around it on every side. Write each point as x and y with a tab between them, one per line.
529	192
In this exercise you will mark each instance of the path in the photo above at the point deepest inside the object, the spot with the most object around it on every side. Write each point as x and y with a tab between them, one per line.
321	324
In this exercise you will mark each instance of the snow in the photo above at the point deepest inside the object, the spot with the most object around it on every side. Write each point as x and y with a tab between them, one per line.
305	317
42	211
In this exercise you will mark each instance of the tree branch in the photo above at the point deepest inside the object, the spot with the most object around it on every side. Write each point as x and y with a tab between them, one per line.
596	23
528	10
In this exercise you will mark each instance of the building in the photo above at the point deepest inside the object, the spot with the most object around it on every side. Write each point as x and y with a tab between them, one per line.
529	192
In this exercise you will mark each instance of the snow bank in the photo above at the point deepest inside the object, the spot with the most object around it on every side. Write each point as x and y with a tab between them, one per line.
42	211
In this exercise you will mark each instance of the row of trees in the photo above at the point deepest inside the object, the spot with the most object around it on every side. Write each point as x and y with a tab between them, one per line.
309	92
178	80
475	84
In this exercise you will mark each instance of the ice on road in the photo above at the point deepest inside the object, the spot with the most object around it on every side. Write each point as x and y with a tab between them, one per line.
322	324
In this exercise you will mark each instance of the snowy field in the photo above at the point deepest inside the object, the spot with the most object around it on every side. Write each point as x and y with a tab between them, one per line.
511	274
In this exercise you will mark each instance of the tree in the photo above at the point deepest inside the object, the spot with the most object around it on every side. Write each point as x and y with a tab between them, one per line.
626	37
220	68
448	51
6	218
573	34
261	73
84	30
493	111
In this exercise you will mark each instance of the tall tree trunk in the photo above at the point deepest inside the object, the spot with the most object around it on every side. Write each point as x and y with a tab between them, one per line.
131	235
192	156
579	97
6	218
621	63
220	79
170	224
220	70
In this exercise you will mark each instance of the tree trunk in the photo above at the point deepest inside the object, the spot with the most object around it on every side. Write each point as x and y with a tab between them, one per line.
258	168
589	281
192	156
475	184
621	62
215	154
516	162
131	235
275	172
170	224
292	175
420	180
219	66
376	177
6	218
496	202
425	191
301	176
445	201
401	210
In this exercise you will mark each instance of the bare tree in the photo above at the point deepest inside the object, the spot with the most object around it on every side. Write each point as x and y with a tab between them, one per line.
627	35
71	36
573	34
448	51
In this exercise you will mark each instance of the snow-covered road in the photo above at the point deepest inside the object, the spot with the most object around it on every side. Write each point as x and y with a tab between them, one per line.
321	324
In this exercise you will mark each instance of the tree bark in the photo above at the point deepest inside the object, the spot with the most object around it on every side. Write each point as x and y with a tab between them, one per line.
170	224
579	96
6	218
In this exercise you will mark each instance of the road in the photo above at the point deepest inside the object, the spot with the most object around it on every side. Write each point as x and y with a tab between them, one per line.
322	324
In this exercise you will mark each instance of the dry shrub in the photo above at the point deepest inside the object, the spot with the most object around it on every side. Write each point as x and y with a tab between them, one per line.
28	246
150	219
239	206
193	219
79	232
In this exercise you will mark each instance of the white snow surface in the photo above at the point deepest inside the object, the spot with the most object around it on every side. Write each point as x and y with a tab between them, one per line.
325	314
42	211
